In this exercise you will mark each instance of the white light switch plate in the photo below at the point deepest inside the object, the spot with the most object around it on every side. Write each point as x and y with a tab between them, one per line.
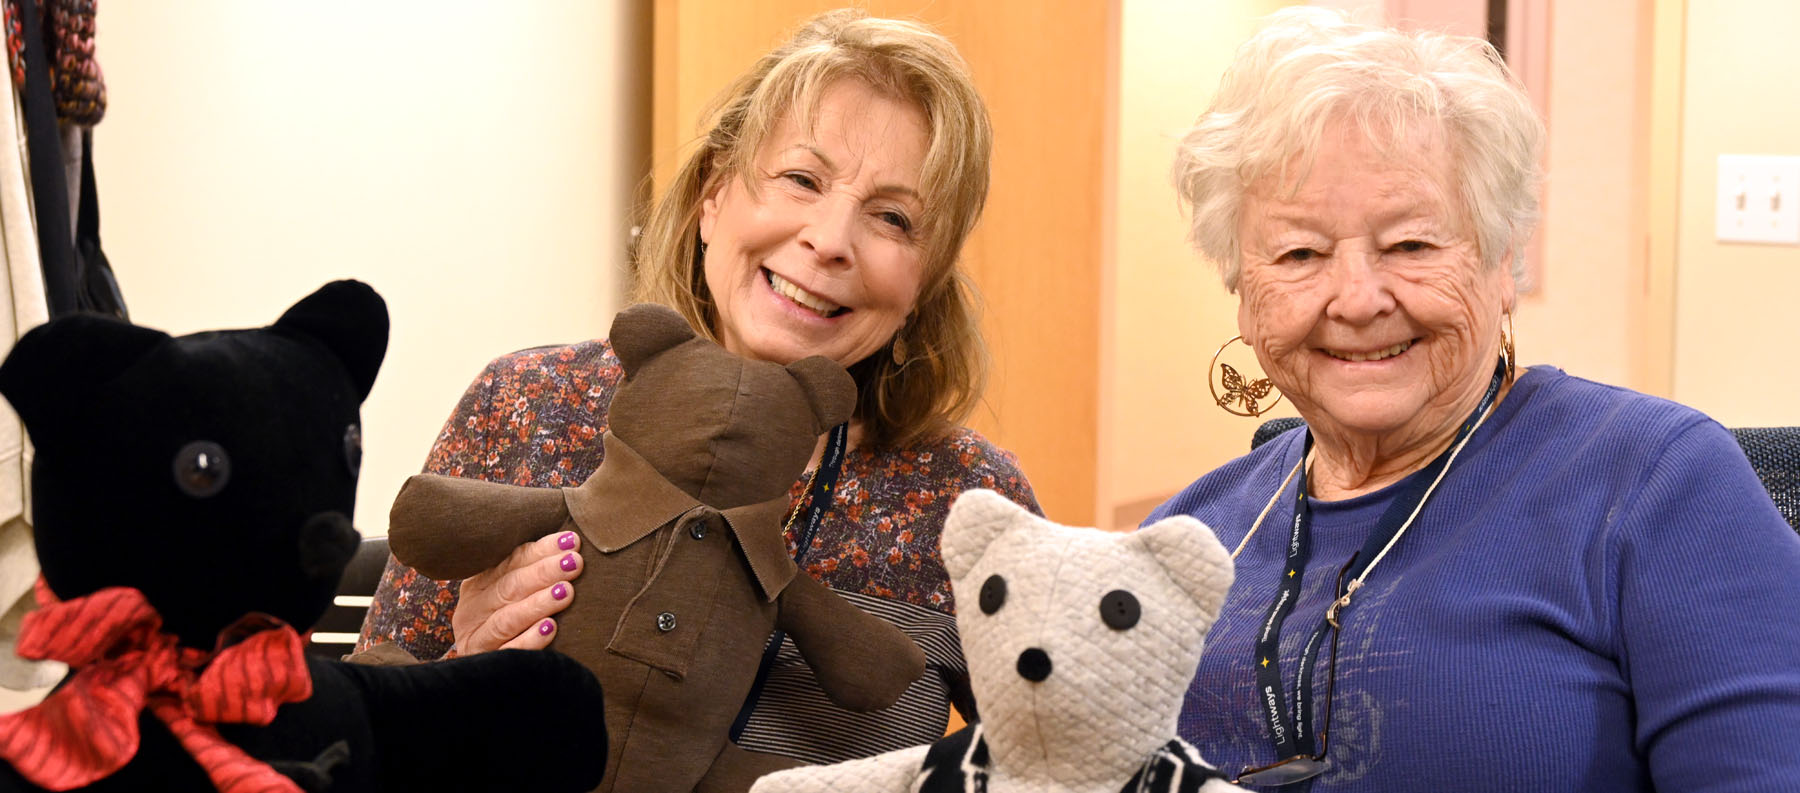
1759	199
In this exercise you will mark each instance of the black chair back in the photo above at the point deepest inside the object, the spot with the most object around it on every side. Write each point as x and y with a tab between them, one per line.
336	632
1272	428
1774	453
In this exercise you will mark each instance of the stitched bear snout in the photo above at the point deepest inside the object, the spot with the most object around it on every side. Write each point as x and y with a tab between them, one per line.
1034	665
327	541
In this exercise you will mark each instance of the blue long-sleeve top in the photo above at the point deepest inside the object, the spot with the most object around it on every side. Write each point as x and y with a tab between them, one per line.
1599	597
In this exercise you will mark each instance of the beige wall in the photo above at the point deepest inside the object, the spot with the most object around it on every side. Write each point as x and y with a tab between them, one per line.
1735	356
1578	317
1169	311
473	161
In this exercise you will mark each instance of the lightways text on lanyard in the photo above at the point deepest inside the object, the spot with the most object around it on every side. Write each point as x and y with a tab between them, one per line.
1291	731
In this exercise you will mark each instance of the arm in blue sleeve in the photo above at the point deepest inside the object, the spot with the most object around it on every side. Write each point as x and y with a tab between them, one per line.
1708	615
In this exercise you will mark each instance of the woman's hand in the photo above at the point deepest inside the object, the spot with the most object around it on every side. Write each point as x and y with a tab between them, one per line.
512	605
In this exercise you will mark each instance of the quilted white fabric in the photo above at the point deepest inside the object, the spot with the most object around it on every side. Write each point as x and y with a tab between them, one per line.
1111	694
22	307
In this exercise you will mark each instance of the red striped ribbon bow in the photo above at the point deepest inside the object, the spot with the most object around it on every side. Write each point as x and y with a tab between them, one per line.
123	662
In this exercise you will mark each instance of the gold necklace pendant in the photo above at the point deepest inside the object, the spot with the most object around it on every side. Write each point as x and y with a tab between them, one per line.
798	505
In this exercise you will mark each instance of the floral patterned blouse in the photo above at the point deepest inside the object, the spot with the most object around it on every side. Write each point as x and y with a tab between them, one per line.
536	417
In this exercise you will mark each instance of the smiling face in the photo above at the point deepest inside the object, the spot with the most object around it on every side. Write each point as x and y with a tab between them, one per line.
1364	294
821	255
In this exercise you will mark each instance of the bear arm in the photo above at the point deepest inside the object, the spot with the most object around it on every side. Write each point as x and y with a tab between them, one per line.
863	662
476	723
893	772
449	528
318	775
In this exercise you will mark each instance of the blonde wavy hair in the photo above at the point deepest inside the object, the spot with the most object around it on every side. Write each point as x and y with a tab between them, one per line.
941	380
1311	66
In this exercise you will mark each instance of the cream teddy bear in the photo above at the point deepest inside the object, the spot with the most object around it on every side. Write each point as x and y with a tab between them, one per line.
1080	644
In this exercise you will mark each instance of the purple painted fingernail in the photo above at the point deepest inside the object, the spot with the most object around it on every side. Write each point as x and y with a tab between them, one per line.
546	627
568	562
567	541
559	591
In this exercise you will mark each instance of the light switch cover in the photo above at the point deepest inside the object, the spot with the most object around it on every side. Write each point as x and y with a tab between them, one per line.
1759	199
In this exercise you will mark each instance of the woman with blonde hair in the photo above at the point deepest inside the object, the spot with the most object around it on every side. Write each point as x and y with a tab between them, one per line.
1461	573
822	214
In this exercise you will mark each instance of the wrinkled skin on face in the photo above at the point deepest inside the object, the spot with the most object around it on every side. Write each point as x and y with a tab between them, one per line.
1364	296
821	254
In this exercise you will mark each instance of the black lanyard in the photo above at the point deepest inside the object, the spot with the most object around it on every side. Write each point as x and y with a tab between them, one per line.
818	502
1292	733
819	496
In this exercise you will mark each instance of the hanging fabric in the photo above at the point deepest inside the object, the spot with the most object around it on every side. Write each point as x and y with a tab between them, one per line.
62	76
49	189
75	73
99	288
22	307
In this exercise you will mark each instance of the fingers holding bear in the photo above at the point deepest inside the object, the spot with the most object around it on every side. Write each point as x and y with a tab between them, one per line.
513	604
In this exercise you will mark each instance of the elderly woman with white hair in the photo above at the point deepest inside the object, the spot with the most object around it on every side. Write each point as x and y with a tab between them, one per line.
1461	574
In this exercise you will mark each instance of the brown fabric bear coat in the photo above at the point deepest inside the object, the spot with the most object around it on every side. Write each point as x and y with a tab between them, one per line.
687	571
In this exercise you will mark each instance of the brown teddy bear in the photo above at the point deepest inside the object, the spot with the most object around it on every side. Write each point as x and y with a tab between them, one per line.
687	571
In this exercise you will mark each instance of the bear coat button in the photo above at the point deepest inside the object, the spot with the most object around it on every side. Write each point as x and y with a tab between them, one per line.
665	621
697	530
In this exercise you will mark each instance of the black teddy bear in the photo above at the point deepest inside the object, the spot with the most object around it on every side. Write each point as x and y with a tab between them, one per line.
191	499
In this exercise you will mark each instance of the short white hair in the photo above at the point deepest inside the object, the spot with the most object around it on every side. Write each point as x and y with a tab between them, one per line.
1311	66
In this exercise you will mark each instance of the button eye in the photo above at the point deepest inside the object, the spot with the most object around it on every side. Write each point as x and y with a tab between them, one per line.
993	594
1119	610
202	469
353	448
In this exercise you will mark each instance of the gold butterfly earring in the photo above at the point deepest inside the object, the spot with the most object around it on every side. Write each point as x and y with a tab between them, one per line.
1237	389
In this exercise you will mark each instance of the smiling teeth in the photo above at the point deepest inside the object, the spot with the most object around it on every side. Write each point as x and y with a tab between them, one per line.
1370	356
783	286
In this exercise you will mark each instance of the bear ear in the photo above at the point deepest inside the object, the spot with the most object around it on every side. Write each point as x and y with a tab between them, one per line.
351	320
642	331
1193	558
66	359
829	388
976	519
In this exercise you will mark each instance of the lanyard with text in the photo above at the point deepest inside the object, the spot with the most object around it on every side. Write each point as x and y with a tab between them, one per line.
817	502
1292	735
819	495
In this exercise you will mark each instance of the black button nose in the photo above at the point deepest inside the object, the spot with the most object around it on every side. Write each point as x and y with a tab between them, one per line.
1034	665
